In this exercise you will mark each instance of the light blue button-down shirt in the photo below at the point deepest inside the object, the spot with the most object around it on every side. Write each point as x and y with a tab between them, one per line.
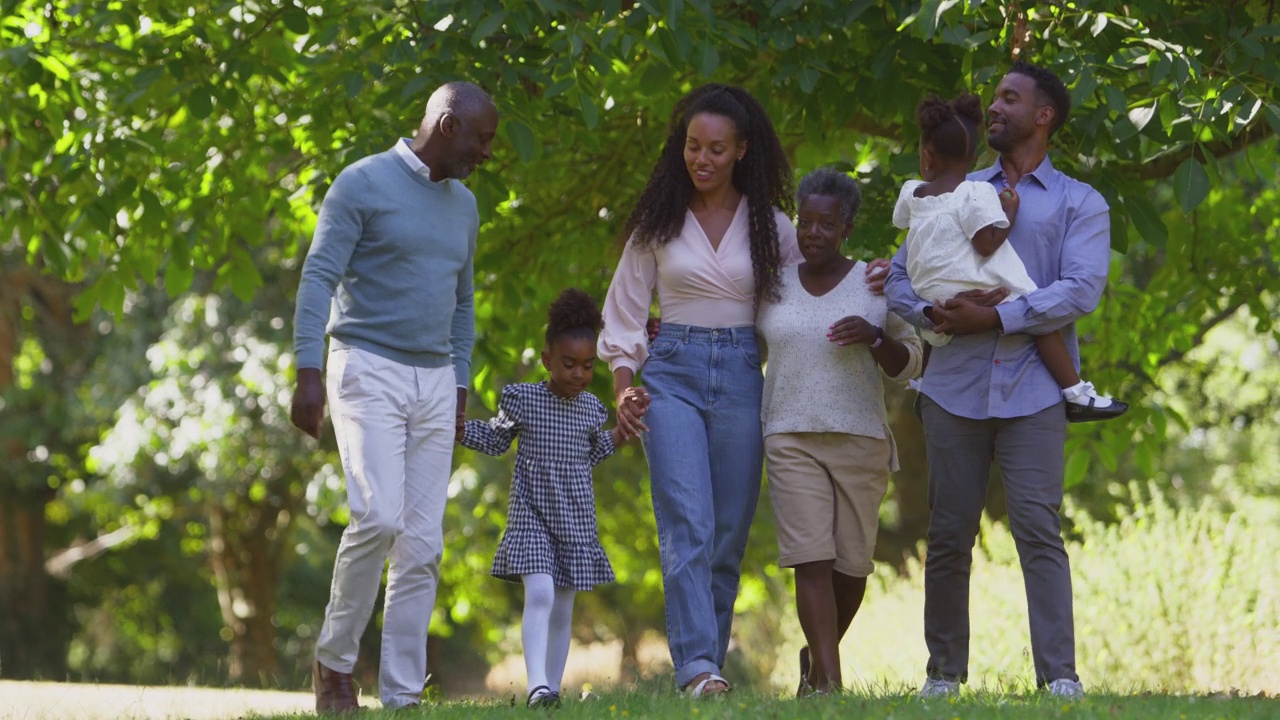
1062	233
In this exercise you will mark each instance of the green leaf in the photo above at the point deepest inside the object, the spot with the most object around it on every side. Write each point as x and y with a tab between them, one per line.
522	139
177	277
353	83
590	113
487	27
1190	184
1140	116
709	59
808	78
1146	219
1076	468
1272	112
296	20
200	102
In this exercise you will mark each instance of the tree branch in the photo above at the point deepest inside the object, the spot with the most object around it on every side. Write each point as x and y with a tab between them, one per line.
60	563
1165	165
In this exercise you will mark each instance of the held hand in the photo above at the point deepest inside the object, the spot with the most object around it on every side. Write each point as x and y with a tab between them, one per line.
961	316
852	330
632	404
307	409
1010	201
985	298
877	272
652	327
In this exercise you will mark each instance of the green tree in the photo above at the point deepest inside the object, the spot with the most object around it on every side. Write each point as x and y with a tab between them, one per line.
151	143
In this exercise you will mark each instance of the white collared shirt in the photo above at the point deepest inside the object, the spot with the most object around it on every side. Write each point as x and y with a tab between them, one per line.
415	163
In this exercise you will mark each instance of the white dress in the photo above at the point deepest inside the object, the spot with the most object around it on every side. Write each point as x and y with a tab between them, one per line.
941	261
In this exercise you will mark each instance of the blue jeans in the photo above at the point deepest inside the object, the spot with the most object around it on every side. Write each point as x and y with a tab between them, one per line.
705	450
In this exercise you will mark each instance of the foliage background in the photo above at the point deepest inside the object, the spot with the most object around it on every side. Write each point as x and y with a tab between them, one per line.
161	164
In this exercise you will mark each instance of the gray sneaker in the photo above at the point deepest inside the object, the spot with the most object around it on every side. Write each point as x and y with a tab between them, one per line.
1066	689
939	688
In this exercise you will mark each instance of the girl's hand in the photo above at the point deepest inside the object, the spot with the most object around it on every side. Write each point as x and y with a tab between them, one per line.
632	404
852	330
1010	201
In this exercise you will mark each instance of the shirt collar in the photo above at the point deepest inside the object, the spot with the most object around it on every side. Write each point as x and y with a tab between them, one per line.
414	162
1045	173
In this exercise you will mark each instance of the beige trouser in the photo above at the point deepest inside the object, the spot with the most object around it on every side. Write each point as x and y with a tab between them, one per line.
395	429
826	490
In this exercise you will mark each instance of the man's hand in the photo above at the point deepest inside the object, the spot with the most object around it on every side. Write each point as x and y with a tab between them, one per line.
852	330
985	298
307	410
460	417
962	316
877	272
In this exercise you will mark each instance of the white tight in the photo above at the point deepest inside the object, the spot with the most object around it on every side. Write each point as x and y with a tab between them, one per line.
548	618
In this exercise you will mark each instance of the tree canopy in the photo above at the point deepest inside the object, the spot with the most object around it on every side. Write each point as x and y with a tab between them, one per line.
161	160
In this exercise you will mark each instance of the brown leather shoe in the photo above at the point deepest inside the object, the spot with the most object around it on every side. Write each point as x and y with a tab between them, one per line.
335	693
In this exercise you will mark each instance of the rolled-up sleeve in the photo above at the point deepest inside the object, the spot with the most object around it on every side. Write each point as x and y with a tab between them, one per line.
624	341
898	329
1086	256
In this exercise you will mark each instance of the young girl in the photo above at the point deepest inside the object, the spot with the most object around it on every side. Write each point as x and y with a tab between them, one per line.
956	232
551	544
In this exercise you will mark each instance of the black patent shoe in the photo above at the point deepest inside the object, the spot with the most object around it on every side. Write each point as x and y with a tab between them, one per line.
1091	413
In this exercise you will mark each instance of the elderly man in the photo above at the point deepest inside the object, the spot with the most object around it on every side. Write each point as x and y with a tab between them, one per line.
392	255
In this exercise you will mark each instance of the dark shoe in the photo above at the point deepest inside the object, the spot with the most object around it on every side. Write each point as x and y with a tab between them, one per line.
335	692
542	697
1089	413
803	688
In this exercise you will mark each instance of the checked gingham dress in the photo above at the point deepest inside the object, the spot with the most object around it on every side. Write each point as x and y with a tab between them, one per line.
551	516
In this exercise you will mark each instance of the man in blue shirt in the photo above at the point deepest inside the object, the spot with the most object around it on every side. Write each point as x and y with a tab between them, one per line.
987	396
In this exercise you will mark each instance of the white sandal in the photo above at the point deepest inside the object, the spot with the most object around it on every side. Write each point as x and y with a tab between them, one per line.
700	689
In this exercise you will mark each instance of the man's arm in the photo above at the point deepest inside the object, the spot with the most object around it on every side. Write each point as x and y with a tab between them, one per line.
1086	256
338	229
462	331
903	300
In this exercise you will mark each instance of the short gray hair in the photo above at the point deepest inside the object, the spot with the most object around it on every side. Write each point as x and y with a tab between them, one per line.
832	183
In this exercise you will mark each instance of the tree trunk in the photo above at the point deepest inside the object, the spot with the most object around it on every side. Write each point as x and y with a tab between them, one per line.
246	553
32	634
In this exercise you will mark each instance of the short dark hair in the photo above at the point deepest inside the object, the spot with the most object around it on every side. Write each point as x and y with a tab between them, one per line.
1050	90
573	314
950	127
832	183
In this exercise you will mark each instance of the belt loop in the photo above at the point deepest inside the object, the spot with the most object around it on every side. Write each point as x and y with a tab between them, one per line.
733	336
684	336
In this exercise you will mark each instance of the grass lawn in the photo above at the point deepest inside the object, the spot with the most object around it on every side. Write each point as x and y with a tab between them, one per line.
638	705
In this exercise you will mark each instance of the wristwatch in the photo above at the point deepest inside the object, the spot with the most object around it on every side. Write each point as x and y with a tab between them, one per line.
879	337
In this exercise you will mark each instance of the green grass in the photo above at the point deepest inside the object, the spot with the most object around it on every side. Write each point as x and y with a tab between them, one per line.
899	705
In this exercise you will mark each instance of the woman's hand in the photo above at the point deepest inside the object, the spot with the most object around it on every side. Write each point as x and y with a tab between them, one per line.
876	273
852	330
633	403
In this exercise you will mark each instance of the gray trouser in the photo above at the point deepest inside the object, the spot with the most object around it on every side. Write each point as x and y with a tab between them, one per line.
1030	452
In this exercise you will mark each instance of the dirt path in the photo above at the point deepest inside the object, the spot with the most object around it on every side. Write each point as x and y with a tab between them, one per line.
50	701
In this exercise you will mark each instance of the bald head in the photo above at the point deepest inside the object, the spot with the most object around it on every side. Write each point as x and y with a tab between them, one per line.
462	99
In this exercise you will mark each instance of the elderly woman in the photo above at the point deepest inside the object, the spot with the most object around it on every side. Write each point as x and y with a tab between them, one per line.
827	445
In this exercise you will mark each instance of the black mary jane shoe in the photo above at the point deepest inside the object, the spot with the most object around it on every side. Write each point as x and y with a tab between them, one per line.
1090	413
549	698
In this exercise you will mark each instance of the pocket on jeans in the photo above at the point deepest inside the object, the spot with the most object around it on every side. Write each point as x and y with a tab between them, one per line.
750	352
662	349
349	377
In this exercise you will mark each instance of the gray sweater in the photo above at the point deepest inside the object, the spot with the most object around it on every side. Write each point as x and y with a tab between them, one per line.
392	254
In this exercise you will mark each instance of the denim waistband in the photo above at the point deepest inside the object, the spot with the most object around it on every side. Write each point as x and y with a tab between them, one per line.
693	333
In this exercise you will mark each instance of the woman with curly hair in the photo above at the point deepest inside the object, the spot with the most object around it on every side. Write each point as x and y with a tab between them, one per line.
709	235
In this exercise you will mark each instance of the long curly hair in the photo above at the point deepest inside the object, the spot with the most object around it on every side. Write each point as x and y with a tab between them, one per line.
763	175
573	313
951	127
